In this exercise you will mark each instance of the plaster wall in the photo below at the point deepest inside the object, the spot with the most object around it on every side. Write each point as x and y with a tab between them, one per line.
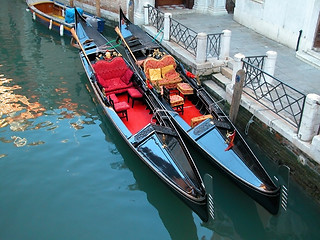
110	8
280	20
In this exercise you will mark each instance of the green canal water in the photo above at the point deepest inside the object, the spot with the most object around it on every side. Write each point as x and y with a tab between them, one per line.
66	174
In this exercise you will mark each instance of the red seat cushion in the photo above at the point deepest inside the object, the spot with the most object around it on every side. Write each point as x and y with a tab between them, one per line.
126	77
114	75
114	98
121	106
134	93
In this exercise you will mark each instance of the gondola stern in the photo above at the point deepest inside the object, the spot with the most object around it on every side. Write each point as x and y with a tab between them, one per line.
283	185
208	182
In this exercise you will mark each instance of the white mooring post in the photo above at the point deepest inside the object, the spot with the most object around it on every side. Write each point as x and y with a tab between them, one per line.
270	65
146	15
166	26
201	48
310	120
50	24
237	65
61	30
225	44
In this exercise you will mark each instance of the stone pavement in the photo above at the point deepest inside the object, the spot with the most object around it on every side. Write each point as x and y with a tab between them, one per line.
289	69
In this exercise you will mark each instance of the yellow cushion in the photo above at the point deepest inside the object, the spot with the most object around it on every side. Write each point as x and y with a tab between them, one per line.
155	74
166	69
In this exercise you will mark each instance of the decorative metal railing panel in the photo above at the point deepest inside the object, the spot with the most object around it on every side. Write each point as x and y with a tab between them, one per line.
282	99
213	44
183	36
257	61
156	17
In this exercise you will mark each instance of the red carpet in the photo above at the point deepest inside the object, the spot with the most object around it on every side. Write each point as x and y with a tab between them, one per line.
138	116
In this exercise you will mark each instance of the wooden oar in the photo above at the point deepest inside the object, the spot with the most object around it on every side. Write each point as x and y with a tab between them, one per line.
120	35
75	36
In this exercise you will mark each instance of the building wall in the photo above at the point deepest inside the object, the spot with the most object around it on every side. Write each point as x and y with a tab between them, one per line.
280	20
110	8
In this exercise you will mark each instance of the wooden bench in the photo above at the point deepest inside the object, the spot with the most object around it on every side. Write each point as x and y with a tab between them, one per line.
196	120
184	89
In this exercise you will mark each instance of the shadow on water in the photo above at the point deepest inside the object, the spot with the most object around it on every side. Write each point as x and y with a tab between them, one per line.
240	217
176	217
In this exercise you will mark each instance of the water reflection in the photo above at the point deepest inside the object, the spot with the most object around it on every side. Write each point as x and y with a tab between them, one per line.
16	109
20	113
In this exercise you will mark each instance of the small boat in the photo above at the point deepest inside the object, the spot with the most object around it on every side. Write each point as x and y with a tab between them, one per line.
59	17
135	112
198	116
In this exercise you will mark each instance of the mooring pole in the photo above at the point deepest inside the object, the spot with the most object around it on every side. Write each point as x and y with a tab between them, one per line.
236	97
131	11
98	8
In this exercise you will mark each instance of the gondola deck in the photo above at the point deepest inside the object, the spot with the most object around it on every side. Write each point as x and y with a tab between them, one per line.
145	127
206	125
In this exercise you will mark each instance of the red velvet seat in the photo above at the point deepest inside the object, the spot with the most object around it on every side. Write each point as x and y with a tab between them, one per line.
113	75
134	94
120	107
175	101
114	98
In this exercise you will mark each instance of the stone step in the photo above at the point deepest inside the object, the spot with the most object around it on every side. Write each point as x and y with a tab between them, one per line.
221	80
310	57
214	89
227	72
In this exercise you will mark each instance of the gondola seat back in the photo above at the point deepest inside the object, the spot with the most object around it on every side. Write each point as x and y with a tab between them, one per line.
162	71
113	75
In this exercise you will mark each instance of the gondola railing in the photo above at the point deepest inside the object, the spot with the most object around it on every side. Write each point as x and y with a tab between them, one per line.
274	94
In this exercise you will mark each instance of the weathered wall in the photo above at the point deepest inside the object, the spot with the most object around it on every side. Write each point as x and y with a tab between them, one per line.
109	8
280	20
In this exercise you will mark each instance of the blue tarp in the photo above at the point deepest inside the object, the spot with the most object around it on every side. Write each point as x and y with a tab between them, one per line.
69	15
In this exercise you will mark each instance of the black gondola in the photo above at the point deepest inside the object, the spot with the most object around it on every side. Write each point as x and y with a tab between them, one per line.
198	116
146	129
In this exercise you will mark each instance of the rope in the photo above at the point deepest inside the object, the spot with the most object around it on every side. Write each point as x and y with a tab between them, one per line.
248	125
160	31
251	121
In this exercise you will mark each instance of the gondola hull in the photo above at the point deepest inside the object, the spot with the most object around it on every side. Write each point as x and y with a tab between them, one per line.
199	118
159	146
53	15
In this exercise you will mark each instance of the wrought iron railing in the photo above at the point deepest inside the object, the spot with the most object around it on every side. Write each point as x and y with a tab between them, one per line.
257	61
156	17
213	44
282	99
183	36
